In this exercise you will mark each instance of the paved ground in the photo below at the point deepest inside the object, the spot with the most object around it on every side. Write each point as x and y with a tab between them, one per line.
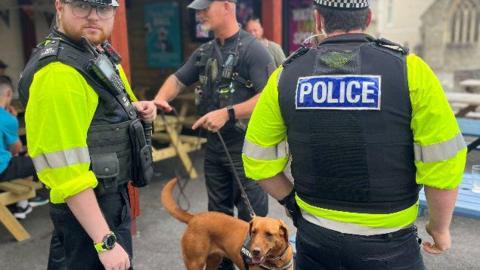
157	241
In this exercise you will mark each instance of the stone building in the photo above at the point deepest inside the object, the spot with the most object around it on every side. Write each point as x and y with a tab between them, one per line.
451	40
399	20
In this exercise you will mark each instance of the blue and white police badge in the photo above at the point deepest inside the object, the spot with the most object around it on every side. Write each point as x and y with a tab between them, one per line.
339	92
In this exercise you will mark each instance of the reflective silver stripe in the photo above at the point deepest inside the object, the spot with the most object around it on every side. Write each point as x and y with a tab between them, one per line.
61	159
348	228
265	153
439	151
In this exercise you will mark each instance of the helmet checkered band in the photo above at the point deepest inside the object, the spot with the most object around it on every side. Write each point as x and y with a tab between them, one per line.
343	4
113	3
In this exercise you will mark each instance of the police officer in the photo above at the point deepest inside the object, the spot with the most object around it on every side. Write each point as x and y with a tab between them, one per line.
84	136
367	125
231	70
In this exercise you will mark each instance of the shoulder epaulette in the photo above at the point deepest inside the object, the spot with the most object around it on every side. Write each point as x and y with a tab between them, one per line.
50	48
301	51
391	45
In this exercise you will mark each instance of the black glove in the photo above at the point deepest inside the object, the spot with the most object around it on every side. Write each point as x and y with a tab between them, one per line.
292	207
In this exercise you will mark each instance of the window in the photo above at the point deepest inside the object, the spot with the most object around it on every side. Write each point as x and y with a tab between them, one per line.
465	23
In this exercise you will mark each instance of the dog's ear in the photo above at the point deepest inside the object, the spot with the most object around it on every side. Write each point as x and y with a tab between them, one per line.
284	229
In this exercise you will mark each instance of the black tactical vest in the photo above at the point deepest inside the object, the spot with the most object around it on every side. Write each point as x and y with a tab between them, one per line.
347	159
216	91
108	138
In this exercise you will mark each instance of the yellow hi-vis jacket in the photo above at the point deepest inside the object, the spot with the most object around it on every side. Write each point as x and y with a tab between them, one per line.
434	129
60	109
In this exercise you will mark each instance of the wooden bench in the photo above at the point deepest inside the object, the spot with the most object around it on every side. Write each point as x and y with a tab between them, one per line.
470	127
468	202
13	192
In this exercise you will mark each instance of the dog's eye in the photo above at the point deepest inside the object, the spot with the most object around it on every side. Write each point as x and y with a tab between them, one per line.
268	234
254	231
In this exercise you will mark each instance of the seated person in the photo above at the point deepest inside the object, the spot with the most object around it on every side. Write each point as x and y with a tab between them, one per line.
13	165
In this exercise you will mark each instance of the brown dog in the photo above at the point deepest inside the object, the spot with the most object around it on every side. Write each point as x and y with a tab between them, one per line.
210	236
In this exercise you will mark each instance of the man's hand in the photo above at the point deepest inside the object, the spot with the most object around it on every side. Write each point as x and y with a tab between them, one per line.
291	207
146	110
11	110
115	259
441	240
213	121
162	105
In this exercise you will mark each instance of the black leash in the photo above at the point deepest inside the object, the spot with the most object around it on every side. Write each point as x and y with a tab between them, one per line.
242	189
182	182
229	157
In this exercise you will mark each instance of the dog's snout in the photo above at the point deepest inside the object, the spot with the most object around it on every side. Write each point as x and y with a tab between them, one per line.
256	252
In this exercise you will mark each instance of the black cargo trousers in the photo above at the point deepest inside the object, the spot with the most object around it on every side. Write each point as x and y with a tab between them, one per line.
222	188
71	248
319	248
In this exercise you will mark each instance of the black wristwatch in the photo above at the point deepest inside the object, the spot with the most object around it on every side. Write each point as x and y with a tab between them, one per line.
231	113
107	243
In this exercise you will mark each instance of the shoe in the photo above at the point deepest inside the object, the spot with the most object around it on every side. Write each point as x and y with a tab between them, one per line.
38	201
22	212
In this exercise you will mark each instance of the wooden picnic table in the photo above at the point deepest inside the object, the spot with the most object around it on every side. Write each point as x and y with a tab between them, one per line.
12	192
168	129
464	103
470	127
468	202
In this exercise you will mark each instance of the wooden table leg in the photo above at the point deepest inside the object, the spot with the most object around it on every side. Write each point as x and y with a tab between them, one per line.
181	152
12	224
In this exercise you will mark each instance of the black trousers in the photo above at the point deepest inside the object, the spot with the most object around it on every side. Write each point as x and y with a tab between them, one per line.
223	190
319	248
18	167
71	248
224	193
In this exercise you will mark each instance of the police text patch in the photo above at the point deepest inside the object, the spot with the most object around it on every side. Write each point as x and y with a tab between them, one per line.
339	92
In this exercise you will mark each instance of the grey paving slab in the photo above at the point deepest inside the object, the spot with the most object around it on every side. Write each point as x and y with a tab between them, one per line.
157	245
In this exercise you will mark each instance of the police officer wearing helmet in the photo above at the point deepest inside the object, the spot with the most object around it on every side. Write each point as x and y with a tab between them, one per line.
85	136
367	125
231	69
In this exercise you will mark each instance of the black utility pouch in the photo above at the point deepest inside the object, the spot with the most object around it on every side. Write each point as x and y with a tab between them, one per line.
106	168
142	165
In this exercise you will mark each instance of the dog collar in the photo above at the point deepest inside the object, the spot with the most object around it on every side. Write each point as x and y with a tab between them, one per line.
245	252
286	266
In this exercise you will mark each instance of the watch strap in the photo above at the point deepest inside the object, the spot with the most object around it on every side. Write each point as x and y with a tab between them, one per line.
100	247
231	113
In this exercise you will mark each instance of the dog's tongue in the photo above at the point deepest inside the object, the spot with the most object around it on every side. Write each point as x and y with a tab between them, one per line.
256	260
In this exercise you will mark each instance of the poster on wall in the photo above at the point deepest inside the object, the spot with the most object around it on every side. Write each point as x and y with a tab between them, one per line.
245	9
163	35
301	24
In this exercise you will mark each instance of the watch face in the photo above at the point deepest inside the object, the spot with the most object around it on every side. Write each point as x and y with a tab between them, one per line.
110	241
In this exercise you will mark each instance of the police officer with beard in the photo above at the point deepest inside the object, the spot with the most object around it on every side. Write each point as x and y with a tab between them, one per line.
85	137
367	124
231	69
